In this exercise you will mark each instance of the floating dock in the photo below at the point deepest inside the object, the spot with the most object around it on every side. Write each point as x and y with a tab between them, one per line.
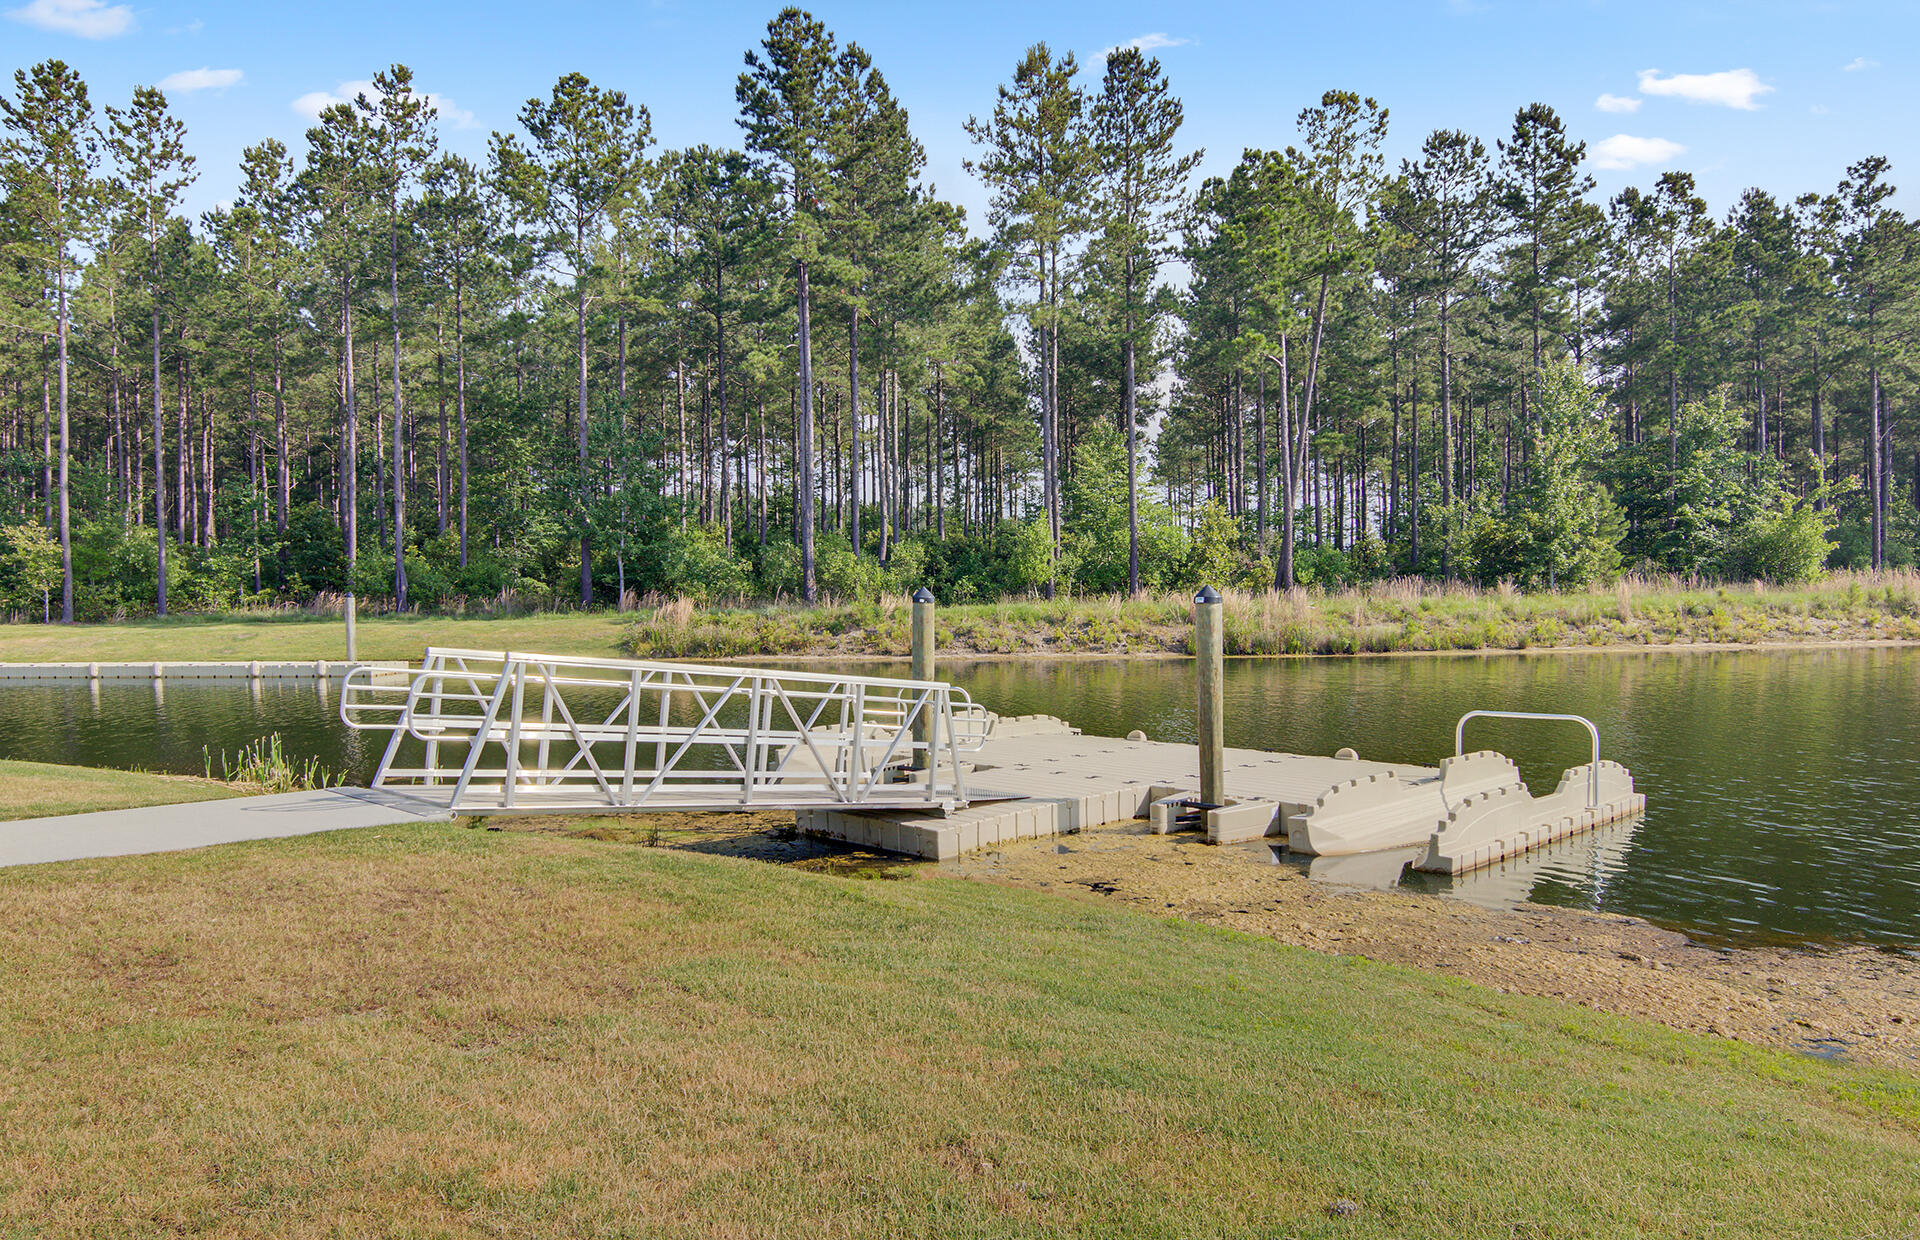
915	766
1036	776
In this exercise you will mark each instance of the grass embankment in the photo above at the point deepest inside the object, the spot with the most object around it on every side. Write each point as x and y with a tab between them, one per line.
1394	616
39	789
433	1032
303	635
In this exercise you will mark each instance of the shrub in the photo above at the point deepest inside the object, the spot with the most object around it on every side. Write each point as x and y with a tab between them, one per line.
1785	546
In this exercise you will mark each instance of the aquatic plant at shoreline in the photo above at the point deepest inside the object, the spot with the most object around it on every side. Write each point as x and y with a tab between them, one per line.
264	762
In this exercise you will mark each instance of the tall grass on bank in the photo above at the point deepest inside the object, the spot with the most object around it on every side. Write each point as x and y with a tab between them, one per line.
265	763
1400	615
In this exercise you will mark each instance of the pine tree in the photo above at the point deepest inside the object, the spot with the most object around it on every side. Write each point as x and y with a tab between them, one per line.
334	190
1142	180
459	226
401	141
873	165
1037	164
786	107
586	152
267	194
1539	188
49	159
715	198
1877	279
1452	219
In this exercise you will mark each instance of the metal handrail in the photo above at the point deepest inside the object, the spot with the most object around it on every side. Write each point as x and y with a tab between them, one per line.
1593	769
791	739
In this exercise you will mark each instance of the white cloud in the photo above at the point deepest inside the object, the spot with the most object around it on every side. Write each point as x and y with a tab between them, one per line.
458	118
1732	88
90	19
187	81
313	103
1617	103
1859	63
1146	43
1623	151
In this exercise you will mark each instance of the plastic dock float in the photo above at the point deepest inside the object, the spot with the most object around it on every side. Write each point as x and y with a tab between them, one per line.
1499	823
1037	777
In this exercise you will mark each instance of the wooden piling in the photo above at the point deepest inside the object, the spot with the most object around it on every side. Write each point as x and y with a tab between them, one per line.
923	645
1209	648
353	606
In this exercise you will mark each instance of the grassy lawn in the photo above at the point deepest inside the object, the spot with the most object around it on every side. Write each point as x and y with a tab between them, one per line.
443	1032
302	636
39	789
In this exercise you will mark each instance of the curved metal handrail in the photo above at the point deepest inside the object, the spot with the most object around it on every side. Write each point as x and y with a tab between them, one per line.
1593	769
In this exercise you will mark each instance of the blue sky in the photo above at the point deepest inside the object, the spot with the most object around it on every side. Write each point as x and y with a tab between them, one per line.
1782	94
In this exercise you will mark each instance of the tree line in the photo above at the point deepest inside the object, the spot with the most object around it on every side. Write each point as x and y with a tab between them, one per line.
585	366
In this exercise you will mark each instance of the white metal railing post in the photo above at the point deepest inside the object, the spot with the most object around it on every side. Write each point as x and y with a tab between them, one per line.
1593	768
479	741
432	666
633	733
517	671
546	720
753	740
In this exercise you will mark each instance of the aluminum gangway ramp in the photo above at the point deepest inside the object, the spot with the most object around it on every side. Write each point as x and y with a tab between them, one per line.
490	732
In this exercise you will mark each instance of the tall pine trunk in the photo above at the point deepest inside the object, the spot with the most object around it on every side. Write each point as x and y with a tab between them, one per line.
159	450
399	439
803	433
460	403
853	415
66	526
580	335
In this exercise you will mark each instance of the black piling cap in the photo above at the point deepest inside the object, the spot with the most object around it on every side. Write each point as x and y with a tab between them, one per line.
1207	595
923	595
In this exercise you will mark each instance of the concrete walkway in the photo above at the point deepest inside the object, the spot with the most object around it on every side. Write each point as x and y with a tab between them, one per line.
169	828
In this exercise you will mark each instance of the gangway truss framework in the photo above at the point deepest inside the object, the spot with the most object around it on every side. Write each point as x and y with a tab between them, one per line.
508	732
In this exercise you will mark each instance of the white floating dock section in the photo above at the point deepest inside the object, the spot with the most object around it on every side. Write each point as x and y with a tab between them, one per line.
252	669
1035	777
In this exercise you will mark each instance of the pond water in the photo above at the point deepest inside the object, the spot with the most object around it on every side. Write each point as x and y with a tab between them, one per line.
1783	788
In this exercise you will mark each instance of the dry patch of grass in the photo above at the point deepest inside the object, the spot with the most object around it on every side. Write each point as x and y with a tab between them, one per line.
40	789
441	1032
